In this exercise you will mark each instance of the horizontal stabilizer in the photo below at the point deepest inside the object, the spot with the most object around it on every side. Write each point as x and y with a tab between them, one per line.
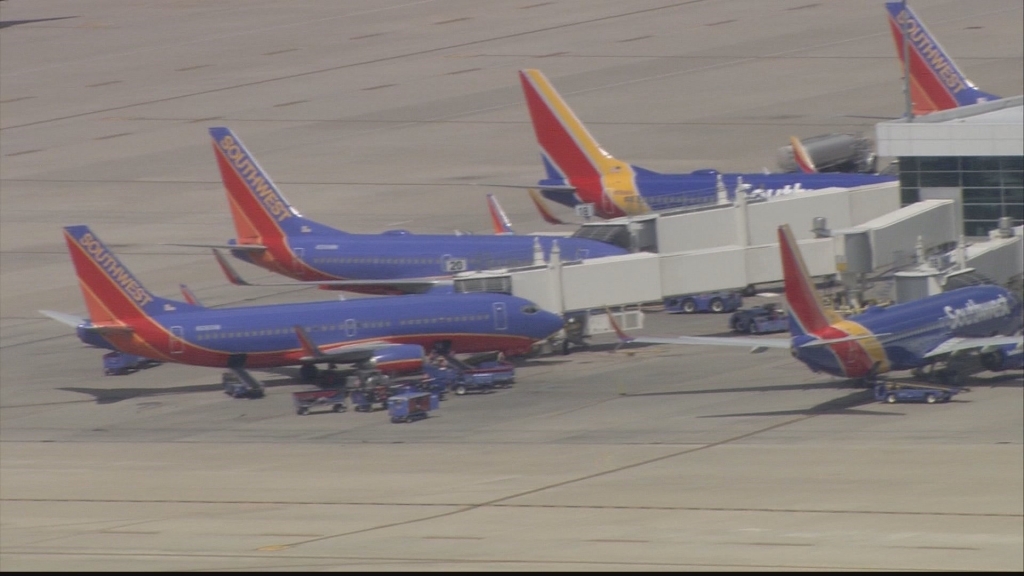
69	319
542	207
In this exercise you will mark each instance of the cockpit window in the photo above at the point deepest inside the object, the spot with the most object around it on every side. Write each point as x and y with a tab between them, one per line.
530	309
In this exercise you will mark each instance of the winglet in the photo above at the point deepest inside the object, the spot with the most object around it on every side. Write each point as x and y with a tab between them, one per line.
308	346
499	220
622	336
802	157
233	277
542	207
190	297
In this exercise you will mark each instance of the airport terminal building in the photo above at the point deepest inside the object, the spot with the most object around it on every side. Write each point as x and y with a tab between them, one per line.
973	155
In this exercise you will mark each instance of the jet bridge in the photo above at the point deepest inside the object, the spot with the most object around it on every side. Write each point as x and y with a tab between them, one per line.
730	246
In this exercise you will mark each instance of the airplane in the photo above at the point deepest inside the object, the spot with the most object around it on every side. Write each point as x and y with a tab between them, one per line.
935	81
274	235
396	331
982	320
579	171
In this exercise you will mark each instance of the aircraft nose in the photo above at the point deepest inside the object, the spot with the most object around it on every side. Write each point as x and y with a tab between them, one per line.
550	323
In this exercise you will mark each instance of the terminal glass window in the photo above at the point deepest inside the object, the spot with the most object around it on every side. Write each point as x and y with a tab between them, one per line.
993	186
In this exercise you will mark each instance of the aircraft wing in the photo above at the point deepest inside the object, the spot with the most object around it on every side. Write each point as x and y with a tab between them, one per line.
243	247
954	345
755	344
339	353
547	188
393	286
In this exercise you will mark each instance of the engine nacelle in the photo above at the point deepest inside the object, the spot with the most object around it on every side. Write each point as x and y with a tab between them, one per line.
1005	358
399	359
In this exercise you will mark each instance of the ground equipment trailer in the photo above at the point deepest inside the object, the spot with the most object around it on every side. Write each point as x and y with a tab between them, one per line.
763	319
717	302
120	363
334	398
893	393
410	406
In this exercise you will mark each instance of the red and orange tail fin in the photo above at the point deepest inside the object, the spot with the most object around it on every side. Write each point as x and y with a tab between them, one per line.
499	220
260	212
112	293
935	81
802	157
804	303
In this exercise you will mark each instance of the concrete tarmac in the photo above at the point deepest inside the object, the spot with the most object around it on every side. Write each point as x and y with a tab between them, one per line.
374	115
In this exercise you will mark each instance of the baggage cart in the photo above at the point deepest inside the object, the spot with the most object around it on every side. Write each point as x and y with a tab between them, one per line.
410	406
307	399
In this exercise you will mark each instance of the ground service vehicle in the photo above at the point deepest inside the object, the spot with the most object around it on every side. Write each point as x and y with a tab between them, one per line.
717	302
119	363
893	393
763	319
309	398
410	406
471	375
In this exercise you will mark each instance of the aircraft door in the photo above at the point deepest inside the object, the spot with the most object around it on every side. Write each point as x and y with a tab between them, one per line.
500	316
350	327
298	254
177	340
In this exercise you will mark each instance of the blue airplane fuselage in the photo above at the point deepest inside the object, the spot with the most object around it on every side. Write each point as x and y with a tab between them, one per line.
661	191
398	254
265	336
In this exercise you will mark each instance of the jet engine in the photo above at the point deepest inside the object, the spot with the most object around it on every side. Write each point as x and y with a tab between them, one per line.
1006	358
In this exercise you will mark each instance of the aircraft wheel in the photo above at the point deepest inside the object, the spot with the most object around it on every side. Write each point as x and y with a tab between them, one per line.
460	390
689	306
890	398
931	398
717	305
